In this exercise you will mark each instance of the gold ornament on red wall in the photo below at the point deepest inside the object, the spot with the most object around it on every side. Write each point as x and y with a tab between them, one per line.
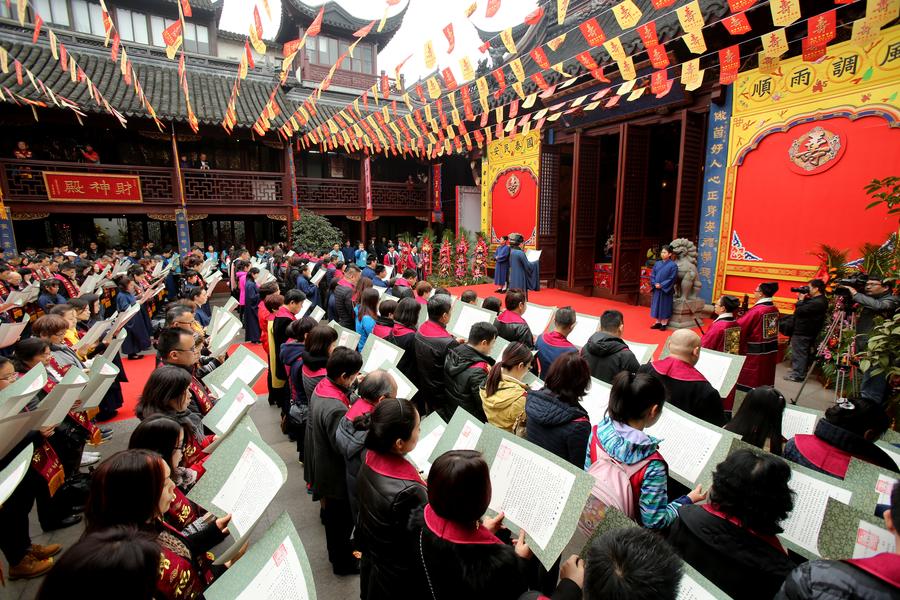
815	151
513	186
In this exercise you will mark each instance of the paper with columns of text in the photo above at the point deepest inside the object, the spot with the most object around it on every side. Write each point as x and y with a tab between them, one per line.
536	490
405	387
538	317
229	409
243	366
430	431
463	316
462	433
377	352
585	327
596	400
274	568
798	419
847	532
811	493
19	393
242	477
346	337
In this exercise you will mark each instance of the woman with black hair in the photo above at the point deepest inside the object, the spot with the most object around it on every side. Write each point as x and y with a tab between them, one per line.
86	311
732	539
138	327
758	420
123	558
389	490
503	395
510	324
403	335
457	551
132	488
366	313
167	392
251	307
556	420
849	430
319	343
49	295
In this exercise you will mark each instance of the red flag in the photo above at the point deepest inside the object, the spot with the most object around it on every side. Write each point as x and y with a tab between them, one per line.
737	6
289	47
657	4
250	63
501	80
534	17
186	8
114	50
821	28
729	64
63	57
257	22
385	86
484	47
492	7
449	79
316	26
737	24
181	67
811	52
658	81
420	92
540	58
647	31
364	30
19	79
658	56
467	103
448	33
598	74
539	80
38	21
587	60
592	32
172	34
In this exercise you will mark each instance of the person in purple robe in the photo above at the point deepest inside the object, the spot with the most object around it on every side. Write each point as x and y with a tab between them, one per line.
501	265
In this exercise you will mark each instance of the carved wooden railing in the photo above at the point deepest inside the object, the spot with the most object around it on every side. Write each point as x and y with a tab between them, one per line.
341	194
233	187
400	196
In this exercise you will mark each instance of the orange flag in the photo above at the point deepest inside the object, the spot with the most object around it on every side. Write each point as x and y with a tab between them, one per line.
448	33
316	26
492	7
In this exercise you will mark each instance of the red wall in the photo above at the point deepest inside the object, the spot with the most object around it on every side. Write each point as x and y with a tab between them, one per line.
782	216
516	214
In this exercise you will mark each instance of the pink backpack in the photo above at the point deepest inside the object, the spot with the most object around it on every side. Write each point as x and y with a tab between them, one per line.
617	484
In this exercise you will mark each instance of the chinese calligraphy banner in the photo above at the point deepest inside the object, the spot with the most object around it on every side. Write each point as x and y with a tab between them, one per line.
90	187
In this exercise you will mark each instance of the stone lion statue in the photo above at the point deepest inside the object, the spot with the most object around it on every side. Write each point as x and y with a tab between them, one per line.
688	282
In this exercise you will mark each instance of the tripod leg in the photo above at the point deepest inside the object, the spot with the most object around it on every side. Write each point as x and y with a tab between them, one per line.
809	371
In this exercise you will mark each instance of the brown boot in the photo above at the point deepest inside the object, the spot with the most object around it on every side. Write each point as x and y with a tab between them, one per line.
44	552
30	567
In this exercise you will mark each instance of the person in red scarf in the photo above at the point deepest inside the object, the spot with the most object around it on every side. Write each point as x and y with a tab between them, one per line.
459	552
732	539
510	324
554	343
759	339
874	577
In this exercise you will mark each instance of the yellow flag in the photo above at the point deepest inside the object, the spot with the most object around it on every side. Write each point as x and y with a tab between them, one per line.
865	32
690	16
506	37
429	56
558	67
556	42
455	114
561	7
407	101
625	88
769	64
626	68
615	49
53	49
517	69
519	89
635	94
775	43
695	42
882	12
385	113
784	12
691	74
428	116
4	60
383	20
529	101
465	65
627	14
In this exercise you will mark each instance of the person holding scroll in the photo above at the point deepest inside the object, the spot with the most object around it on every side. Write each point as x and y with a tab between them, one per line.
688	388
732	540
510	324
286	314
178	348
501	265
323	466
874	578
606	352
460	553
403	335
251	307
389	489
466	369
551	345
524	275
432	343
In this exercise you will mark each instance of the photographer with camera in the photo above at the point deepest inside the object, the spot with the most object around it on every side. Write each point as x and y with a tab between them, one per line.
874	298
809	317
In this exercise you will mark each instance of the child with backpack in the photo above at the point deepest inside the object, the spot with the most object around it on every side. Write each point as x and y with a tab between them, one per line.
629	472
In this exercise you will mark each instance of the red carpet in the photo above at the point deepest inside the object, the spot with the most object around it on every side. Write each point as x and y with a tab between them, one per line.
637	328
138	372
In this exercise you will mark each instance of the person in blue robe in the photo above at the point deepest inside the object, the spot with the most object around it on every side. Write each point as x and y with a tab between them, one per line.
662	282
138	327
523	274
501	265
251	307
306	286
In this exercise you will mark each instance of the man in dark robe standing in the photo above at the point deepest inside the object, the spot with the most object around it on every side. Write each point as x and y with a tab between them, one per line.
523	274
501	265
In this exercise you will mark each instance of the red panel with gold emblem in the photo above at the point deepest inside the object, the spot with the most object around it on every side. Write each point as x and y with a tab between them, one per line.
81	187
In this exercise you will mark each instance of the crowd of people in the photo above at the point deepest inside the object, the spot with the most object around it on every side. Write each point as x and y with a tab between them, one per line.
407	535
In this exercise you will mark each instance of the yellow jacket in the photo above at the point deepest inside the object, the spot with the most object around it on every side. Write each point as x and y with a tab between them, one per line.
506	405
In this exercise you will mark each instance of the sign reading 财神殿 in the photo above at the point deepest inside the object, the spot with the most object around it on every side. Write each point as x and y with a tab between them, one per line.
91	187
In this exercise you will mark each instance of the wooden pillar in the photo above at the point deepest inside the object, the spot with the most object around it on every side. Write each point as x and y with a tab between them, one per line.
576	171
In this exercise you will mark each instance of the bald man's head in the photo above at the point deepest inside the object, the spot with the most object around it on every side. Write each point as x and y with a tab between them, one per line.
684	344
377	385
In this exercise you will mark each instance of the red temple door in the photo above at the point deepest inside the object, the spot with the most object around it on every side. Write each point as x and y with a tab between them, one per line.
631	197
585	186
690	176
548	212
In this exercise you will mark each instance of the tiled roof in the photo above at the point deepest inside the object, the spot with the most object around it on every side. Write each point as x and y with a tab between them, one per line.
338	17
205	5
209	85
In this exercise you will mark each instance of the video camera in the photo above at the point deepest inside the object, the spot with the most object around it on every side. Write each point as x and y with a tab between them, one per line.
803	289
858	282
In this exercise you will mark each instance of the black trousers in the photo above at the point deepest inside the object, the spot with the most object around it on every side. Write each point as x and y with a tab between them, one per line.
338	527
15	541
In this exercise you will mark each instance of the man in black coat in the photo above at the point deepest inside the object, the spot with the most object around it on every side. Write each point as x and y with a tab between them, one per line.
688	388
466	369
605	352
809	316
432	343
343	297
348	252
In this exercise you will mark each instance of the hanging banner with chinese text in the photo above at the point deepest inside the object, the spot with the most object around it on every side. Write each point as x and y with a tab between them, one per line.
84	187
437	214
183	231
713	191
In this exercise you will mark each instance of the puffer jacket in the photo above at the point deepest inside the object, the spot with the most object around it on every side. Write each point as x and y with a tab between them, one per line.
432	343
465	371
312	372
507	404
557	426
513	328
608	355
629	445
350	443
840	580
829	450
343	305
291	357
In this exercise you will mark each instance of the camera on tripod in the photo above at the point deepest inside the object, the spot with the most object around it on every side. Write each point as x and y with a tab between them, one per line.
803	289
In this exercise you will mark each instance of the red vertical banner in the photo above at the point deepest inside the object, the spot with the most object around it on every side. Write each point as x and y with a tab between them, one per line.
367	187
437	214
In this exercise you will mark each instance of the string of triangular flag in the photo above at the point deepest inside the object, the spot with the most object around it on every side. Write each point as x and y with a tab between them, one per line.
40	87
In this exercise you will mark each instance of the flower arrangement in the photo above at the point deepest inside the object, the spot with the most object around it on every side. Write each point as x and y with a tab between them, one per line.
479	266
427	251
462	255
445	255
